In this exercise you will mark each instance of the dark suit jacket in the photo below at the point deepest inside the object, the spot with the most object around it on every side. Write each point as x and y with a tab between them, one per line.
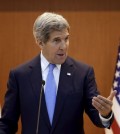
75	93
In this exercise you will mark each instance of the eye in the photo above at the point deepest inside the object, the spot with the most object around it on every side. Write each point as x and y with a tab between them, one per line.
57	40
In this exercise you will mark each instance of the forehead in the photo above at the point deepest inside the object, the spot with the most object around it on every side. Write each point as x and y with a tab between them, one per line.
63	33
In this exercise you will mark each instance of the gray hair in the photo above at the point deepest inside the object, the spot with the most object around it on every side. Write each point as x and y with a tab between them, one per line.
46	23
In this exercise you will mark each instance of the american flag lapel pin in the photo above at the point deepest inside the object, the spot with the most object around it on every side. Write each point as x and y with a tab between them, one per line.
69	74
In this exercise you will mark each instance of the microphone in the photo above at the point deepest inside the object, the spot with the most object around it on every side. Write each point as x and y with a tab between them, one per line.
38	116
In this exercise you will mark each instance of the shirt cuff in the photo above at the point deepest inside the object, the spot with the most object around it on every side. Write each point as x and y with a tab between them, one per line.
106	121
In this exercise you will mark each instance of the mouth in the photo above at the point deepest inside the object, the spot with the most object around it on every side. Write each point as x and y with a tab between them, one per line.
60	58
61	55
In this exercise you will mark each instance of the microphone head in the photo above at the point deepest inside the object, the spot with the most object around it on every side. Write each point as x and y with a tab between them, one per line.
43	82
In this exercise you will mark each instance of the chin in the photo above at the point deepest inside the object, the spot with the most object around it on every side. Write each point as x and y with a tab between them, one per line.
60	62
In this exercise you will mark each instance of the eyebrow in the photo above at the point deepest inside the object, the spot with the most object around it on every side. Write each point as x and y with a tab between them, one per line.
59	37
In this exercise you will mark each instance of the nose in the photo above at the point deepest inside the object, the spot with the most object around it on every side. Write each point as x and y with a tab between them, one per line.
63	45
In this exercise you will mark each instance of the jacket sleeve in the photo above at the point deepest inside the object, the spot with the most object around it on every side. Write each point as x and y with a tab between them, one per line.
91	91
11	109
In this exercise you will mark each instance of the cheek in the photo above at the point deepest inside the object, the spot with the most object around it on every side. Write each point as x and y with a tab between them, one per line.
68	44
52	51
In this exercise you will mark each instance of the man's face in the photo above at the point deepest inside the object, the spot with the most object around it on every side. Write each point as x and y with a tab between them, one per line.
56	48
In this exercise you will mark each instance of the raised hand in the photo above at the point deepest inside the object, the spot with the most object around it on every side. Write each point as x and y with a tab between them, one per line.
104	105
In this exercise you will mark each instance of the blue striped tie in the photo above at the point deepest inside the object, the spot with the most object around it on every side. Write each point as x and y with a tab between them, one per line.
50	92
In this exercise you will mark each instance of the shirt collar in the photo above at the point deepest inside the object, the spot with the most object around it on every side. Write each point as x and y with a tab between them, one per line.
45	63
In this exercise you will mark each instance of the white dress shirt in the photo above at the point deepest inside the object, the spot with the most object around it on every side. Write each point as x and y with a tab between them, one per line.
45	69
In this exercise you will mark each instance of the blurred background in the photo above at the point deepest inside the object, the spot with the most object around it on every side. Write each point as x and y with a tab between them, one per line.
94	38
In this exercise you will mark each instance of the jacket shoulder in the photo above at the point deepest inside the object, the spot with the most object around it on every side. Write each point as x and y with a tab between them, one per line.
79	64
28	64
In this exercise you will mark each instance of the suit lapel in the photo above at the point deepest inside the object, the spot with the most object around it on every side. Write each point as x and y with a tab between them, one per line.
64	87
36	81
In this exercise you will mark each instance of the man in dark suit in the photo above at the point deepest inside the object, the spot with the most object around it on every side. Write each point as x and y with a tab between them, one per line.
75	87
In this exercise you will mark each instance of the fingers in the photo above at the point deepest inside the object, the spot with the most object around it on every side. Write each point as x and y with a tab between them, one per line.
102	104
96	104
103	100
112	94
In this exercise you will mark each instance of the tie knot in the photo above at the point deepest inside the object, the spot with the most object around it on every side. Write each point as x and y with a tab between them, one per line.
51	67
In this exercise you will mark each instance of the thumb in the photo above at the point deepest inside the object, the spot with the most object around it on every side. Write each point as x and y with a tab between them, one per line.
112	94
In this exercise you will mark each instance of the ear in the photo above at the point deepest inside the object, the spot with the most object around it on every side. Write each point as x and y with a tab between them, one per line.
40	44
